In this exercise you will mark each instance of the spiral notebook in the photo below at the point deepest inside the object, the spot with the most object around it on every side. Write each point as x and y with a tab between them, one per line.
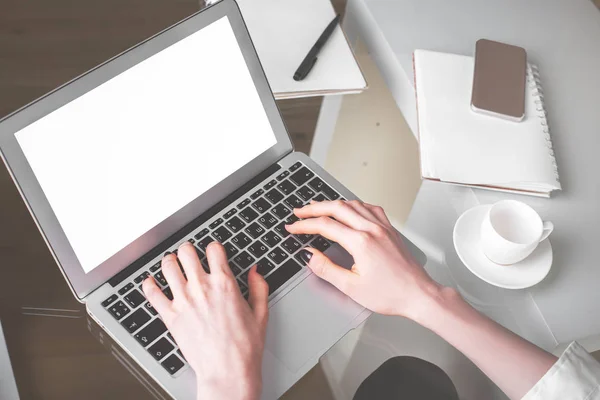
460	146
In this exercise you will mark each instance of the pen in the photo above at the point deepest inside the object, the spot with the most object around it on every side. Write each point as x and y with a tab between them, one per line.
311	58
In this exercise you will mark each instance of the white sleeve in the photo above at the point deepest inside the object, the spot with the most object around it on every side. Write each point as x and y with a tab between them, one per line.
576	376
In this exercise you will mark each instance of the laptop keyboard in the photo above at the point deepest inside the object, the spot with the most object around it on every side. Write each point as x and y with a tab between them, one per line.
252	232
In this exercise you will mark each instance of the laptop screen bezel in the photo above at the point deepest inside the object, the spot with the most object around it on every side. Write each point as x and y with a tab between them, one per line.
81	283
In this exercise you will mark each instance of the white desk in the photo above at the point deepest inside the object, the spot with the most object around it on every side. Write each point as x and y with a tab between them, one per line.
563	38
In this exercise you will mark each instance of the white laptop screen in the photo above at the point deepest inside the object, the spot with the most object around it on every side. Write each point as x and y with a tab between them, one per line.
125	156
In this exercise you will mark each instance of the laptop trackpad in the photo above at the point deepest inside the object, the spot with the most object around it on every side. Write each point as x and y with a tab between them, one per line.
307	321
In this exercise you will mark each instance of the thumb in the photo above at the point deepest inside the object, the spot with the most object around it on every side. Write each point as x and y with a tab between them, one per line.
259	296
327	270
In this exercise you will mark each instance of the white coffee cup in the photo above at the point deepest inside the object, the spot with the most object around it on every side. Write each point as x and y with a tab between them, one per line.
511	230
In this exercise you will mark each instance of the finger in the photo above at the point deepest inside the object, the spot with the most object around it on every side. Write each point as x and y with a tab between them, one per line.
364	211
327	270
190	261
326	227
259	296
217	259
340	210
173	275
379	213
156	297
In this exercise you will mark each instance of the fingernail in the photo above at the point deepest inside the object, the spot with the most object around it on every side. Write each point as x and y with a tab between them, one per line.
305	255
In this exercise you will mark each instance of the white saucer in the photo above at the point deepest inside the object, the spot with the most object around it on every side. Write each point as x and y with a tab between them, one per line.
521	275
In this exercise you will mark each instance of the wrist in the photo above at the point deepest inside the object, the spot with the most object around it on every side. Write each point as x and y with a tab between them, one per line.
435	302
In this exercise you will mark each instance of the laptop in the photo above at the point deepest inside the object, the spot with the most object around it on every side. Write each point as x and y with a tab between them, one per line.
179	139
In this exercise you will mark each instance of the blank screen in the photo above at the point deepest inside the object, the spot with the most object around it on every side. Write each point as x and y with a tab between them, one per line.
122	158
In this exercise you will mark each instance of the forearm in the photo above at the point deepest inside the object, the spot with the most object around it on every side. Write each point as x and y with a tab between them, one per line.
514	364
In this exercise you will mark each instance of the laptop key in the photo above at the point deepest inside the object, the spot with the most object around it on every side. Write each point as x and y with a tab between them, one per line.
304	238
150	309
274	196
119	310
141	277
160	278
160	349
290	245
319	197
257	194
199	235
199	252
230	213
155	267
248	214
317	184
271	239
294	202
264	266
277	255
270	184
168	293
134	298
302	176
295	166
221	234
172	364
216	223
283	175
267	220
109	301
126	288
230	249
286	187
305	193
282	274
235	224
149	334
202	244
280	211
261	205
258	249
243	260
330	193
320	243
241	240
136	320
291	219
243	203
280	228
255	230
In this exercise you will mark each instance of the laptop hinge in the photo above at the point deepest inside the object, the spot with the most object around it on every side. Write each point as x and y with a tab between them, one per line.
167	243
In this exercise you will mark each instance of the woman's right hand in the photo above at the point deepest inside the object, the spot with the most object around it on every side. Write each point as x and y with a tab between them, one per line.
385	277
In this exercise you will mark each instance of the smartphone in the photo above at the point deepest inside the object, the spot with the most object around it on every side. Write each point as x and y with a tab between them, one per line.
499	80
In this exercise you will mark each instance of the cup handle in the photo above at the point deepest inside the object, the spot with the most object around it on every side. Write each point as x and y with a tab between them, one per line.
547	230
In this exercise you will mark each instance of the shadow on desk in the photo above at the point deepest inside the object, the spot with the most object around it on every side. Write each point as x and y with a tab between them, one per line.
72	358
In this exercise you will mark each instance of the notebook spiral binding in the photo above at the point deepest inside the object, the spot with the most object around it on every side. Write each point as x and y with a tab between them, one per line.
534	82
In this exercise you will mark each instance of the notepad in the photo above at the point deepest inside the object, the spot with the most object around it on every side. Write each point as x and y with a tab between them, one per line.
460	146
283	31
